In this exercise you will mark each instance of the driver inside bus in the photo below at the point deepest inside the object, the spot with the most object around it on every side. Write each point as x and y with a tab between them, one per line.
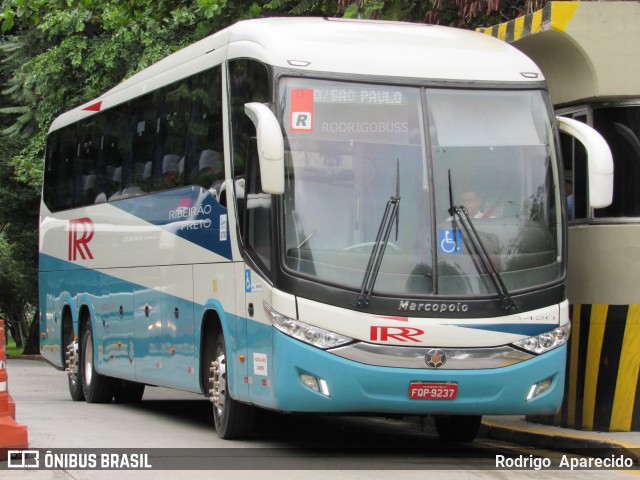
471	201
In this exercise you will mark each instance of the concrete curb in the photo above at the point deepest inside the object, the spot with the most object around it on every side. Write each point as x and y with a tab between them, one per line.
25	357
554	438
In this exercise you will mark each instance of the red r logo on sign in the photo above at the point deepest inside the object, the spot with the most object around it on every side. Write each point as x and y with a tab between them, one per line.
401	334
80	234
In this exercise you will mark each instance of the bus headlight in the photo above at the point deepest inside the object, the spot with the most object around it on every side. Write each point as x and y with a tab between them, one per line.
318	337
546	341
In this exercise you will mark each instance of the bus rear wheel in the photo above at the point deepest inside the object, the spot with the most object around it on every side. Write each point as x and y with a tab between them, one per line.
73	366
458	428
97	388
232	419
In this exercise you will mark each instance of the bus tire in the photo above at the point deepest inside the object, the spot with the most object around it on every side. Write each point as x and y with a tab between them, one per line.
458	428
73	363
128	392
97	388
232	419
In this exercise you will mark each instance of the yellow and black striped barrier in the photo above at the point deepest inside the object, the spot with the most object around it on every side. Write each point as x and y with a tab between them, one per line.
603	364
554	16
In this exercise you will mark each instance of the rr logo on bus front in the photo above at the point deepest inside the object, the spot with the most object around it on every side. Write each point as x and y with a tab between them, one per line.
80	234
401	334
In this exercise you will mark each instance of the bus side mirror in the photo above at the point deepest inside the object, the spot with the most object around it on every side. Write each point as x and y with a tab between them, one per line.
270	147
599	160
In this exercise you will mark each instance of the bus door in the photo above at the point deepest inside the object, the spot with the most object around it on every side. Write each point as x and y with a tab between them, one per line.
256	217
259	339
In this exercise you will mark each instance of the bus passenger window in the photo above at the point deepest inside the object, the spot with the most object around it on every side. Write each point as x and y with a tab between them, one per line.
205	160
59	173
141	138
112	152
89	135
171	136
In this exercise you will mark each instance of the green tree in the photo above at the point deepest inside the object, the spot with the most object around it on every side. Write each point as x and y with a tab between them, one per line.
19	203
55	55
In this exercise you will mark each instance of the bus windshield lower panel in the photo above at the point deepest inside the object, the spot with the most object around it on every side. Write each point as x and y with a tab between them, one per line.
354	146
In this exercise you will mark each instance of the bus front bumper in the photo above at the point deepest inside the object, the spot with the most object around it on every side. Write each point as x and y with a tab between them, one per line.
348	386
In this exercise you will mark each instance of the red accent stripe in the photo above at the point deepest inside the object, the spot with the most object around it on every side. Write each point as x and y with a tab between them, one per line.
399	319
95	107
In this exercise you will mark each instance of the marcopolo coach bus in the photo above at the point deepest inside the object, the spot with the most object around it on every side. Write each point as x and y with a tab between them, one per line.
316	215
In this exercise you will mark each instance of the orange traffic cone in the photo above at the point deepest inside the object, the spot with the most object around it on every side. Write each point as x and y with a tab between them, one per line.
12	435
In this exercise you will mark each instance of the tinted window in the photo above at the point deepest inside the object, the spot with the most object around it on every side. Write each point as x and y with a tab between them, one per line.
205	157
249	82
165	139
620	127
59	173
141	136
171	140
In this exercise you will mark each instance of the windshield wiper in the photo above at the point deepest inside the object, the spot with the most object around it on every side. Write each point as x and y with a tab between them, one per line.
382	239
462	213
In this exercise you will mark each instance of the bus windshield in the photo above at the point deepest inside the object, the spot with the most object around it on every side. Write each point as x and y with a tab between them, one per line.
353	146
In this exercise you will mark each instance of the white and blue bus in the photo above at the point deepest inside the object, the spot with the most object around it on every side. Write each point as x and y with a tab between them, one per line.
316	215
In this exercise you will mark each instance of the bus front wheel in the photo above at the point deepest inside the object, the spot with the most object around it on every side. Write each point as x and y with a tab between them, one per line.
232	419
458	428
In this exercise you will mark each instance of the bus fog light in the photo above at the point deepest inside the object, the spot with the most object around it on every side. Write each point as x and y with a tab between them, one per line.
539	388
310	381
318	384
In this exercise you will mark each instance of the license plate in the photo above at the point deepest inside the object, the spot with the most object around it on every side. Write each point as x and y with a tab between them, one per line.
433	391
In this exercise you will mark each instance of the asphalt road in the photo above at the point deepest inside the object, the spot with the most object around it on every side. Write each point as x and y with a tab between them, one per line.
174	429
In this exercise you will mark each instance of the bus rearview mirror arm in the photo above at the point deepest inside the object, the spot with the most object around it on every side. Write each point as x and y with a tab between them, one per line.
599	160
270	147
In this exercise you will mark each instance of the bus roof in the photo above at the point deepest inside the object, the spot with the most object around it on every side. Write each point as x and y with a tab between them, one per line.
349	47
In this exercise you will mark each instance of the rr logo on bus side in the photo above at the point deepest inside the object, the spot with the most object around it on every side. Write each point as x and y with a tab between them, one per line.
81	232
401	334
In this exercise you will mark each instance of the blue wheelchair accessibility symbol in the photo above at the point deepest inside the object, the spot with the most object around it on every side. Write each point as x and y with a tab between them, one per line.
247	280
449	241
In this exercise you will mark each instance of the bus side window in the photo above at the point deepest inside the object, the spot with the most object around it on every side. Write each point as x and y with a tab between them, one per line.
249	82
89	135
205	159
49	190
141	136
59	173
168	166
112	153
257	208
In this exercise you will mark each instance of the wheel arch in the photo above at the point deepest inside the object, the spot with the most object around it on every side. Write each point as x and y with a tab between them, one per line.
69	321
84	316
210	327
